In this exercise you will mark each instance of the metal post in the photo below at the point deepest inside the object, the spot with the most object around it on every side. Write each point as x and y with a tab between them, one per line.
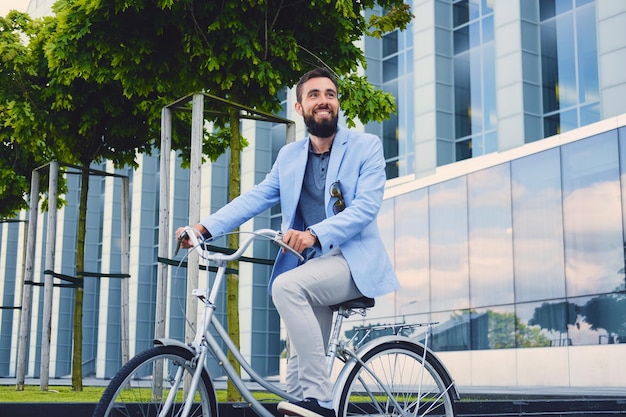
164	222
27	294
164	240
125	248
195	176
48	278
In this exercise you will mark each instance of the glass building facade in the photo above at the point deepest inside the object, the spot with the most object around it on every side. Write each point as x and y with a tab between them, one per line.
519	253
504	212
519	258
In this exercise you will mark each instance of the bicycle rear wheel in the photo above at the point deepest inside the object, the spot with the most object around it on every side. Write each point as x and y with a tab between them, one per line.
396	381
142	386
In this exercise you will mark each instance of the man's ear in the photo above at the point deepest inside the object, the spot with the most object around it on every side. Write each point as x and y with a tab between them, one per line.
298	108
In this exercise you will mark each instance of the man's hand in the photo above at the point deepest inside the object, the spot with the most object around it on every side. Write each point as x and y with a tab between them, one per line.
184	240
299	240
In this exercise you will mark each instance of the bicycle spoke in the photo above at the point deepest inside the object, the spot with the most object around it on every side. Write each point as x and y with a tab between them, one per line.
395	380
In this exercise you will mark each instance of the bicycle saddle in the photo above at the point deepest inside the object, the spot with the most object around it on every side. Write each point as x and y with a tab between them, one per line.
361	302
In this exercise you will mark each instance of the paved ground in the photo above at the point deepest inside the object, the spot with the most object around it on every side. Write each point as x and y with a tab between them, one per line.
473	391
476	402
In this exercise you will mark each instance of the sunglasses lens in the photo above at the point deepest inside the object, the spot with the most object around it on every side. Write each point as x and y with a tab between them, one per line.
338	206
335	192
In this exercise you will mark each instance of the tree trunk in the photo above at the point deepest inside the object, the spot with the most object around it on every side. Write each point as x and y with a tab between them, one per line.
77	354
232	283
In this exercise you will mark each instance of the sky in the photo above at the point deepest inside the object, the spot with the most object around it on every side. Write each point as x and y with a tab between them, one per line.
6	5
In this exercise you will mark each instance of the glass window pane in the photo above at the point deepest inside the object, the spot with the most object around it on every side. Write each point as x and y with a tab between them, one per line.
390	43
478	145
500	331
551	8
385	221
474	9
537	227
490	117
448	245
546	9
390	69
390	137
476	110
589	114
622	159
491	142
589	90
490	238
551	125
463	150
545	323
566	57
474	34
568	120
461	39
592	215
462	96
601	320
549	67
460	13
452	332
487	7
412	253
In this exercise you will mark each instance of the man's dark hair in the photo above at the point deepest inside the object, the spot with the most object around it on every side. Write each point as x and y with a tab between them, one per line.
316	73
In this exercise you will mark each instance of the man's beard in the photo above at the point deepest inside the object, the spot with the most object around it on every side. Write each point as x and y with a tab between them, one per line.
323	129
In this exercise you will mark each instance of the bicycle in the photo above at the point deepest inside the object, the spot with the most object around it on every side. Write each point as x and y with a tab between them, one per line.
391	375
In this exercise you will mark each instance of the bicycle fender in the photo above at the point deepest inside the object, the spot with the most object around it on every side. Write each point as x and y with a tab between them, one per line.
173	342
352	362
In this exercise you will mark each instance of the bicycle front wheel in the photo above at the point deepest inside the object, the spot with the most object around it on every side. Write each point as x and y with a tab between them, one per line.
152	383
397	378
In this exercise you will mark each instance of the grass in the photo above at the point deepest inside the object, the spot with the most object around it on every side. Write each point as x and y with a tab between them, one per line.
57	394
65	394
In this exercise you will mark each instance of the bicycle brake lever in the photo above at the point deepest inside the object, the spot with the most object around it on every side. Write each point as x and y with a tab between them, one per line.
278	239
179	240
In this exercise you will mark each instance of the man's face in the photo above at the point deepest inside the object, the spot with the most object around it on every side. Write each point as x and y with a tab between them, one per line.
319	107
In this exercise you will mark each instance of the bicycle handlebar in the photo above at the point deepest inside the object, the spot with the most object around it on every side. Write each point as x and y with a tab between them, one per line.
273	235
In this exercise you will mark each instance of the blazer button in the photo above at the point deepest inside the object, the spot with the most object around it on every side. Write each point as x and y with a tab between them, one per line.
331	246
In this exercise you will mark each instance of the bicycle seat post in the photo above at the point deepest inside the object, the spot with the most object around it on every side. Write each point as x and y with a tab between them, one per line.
333	342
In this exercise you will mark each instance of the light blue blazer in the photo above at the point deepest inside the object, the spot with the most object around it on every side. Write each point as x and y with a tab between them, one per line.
357	161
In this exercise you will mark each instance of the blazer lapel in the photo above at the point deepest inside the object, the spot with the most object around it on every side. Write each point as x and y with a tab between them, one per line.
295	177
340	144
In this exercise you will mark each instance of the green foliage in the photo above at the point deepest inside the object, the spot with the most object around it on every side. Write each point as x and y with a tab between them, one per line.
359	99
21	150
245	50
15	168
397	17
88	84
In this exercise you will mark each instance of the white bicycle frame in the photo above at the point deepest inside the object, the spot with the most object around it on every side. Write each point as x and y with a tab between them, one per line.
204	342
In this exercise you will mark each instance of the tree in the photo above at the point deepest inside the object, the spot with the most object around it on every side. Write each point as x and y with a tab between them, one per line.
76	122
18	158
242	50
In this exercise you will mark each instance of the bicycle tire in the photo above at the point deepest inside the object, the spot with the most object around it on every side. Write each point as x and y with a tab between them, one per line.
135	391
418	387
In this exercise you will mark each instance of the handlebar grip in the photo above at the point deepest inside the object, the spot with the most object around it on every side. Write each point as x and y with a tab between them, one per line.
278	239
190	234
